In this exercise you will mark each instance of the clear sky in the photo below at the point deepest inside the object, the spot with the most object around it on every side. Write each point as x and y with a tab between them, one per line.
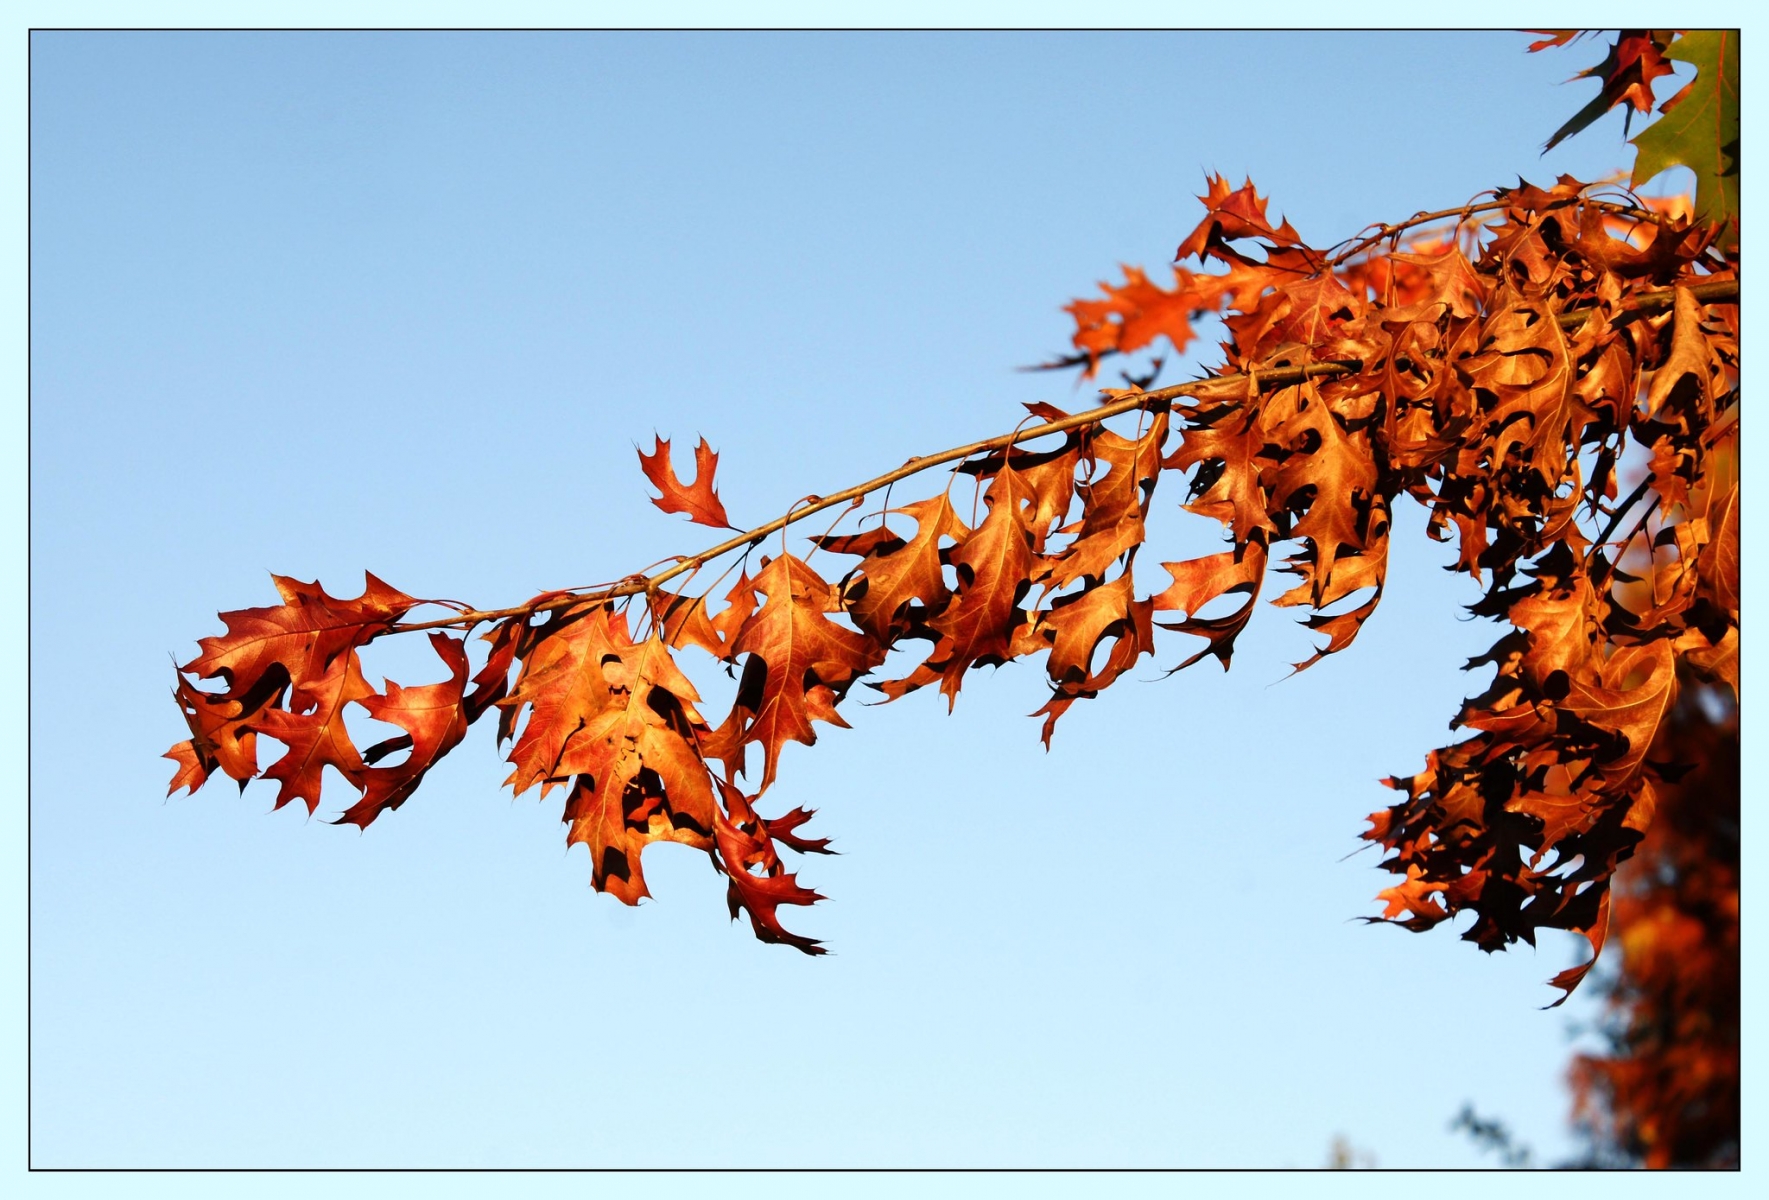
315	303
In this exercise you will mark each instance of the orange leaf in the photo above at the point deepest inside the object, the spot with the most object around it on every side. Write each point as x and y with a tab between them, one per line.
696	500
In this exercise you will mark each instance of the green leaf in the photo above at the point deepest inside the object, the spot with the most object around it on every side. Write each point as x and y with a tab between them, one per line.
1698	127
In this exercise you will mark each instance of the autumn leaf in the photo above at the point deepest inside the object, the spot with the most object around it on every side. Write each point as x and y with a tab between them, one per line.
1113	506
1232	215
994	566
1634	60
640	777
315	734
562	688
303	635
800	663
434	717
895	573
302	653
756	880
696	500
1138	311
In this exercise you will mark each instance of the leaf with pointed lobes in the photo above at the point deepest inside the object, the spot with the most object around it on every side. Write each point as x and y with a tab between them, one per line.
434	717
1225	443
1315	313
640	777
684	620
994	567
562	687
304	635
1049	476
1198	581
1418	897
757	882
1329	476
697	500
1232	215
1431	281
1076	626
1635	59
800	665
1523	374
1631	703
781	830
895	573
1113	508
1691	376
1133	315
316	738
221	731
491	682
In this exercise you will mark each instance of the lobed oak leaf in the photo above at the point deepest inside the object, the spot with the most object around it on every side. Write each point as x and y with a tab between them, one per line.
1635	59
1048	476
1232	215
304	634
1113	508
1686	380
222	735
1076	626
793	649
193	769
316	737
1317	313
491	682
1698	128
994	567
756	880
1198	581
1226	444
639	774
1330	477
683	621
562	687
696	500
1427	285
434	717
895	573
1638	685
1416	896
1134	314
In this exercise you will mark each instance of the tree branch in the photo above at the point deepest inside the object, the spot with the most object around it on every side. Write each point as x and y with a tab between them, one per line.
1157	400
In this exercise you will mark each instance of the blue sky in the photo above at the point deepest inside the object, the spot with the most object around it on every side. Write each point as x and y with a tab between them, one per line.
315	303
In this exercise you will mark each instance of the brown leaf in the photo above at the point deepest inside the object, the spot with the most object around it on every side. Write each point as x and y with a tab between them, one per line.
994	566
1232	215
1198	581
563	688
434	717
315	735
793	648
696	500
1113	508
895	573
304	635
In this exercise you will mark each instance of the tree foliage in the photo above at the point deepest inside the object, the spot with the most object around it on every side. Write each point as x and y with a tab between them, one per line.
1552	372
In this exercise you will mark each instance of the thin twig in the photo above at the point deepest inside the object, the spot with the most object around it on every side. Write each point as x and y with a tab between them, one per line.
1468	210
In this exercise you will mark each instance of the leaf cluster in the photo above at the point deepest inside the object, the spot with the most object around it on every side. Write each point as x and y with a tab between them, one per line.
1514	374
